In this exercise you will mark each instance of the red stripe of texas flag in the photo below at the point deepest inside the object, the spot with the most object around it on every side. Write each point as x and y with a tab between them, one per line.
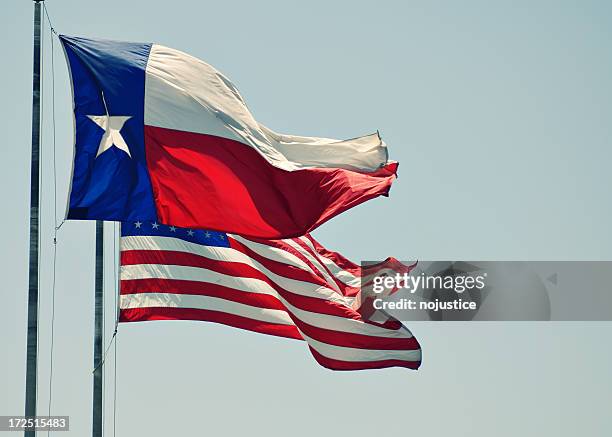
193	174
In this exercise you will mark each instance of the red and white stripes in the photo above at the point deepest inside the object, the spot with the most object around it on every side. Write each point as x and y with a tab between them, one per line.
291	288
202	142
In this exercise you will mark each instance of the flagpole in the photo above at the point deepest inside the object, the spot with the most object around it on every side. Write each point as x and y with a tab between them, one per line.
96	430
32	333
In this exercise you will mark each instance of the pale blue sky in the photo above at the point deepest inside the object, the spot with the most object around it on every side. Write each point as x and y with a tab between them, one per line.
499	113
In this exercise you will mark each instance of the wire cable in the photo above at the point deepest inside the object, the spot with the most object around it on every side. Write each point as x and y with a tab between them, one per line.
103	360
49	19
55	227
116	302
115	392
53	32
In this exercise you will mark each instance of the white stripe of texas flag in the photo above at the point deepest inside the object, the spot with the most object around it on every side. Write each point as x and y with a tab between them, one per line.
186	94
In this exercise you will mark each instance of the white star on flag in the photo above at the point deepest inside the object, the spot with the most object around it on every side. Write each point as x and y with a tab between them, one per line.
112	132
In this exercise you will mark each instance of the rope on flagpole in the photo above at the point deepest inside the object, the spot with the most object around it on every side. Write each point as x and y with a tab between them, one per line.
55	227
110	343
115	392
49	19
53	32
116	302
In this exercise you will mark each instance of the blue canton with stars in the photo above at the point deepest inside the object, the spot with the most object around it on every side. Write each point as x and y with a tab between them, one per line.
154	229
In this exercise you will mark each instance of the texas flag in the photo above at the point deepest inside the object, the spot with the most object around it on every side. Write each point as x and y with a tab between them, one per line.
164	137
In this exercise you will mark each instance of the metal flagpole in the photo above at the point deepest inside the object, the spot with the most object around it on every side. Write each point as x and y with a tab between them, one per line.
32	334
96	430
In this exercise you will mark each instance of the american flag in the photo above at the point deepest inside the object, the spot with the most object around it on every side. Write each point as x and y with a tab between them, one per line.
291	288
